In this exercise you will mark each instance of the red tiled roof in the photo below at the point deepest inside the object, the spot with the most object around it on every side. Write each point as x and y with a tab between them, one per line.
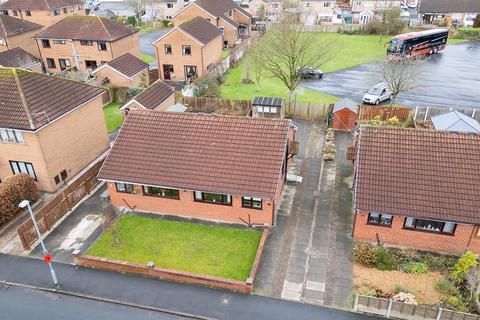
219	7
45	98
86	28
200	29
38	4
154	95
222	154
128	64
17	58
10	26
418	173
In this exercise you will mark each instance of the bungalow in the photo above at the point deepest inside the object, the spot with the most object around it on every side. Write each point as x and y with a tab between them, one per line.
18	33
363	11
204	166
226	15
459	12
50	128
185	52
417	188
159	96
126	71
85	42
19	58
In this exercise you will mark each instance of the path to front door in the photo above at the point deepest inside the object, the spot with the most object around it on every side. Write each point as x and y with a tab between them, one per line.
308	255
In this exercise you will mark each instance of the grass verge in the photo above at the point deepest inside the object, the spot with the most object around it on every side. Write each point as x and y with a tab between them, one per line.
146	58
113	116
211	250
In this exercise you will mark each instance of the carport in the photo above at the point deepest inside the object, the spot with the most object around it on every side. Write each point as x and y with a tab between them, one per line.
345	115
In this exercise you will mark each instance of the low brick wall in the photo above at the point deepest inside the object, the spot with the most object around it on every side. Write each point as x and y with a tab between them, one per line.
175	275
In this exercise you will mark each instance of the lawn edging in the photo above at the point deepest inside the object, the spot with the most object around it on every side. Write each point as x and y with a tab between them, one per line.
176	275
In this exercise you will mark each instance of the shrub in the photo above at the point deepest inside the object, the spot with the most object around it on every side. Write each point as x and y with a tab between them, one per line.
415	267
385	260
377	121
15	189
393	121
165	23
439	262
399	288
365	254
207	86
466	261
447	287
476	22
132	21
455	303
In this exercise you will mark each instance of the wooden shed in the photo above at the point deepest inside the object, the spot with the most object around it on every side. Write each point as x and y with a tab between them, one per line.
268	107
345	115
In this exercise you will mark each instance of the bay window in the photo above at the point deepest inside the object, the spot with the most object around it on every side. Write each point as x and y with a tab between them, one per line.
429	225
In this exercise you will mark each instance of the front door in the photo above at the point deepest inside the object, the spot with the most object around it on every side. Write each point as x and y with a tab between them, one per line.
167	71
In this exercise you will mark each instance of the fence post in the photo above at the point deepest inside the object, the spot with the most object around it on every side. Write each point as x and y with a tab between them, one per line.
355	306
439	314
389	309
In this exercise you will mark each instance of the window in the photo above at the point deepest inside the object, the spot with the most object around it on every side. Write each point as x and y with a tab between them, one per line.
186	50
91	64
64	63
28	13
255	203
46	43
51	63
102	46
15	12
169	5
5	12
65	10
380	219
86	42
12	136
225	199
56	12
477	233
168	49
23	167
59	41
124	187
2	42
63	174
430	225
56	179
161	192
326	4
169	17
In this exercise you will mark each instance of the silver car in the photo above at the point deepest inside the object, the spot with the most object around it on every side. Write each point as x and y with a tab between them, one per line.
377	94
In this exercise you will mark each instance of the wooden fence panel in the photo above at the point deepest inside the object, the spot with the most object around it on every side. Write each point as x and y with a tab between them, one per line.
308	111
366	113
218	105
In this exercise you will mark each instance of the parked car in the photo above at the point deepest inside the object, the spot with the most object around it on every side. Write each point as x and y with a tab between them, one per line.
377	94
311	73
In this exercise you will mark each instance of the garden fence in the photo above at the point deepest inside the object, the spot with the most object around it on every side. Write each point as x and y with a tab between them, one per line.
218	105
308	111
366	113
400	310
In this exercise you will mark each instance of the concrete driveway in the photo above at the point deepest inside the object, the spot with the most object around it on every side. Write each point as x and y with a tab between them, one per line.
450	78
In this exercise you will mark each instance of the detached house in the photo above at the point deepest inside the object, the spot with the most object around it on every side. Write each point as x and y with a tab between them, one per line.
417	188
226	15
43	12
50	128
85	42
185	52
18	33
218	168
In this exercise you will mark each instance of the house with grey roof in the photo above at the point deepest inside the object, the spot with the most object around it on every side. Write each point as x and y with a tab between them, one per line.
460	12
455	121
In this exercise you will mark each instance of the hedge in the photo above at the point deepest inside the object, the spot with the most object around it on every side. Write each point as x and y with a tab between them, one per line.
13	190
468	33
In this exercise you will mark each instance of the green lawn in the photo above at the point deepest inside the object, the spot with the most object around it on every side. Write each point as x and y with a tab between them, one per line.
212	250
147	59
113	116
456	41
225	53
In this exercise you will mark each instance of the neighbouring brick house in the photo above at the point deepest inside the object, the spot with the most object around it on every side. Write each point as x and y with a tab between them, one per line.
459	12
218	168
85	42
159	96
125	71
44	12
224	14
417	188
19	58
18	33
185	52
50	128
363	11
165	9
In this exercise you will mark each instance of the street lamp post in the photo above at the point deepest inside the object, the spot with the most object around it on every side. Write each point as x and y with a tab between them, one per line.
47	257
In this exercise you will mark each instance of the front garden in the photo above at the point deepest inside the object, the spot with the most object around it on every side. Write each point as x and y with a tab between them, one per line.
431	279
224	252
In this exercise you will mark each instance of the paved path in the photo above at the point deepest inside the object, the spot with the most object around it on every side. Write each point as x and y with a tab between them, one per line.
185	298
307	257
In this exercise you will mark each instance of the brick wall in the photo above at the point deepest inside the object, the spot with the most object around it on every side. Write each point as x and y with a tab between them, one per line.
24	41
187	207
116	79
396	235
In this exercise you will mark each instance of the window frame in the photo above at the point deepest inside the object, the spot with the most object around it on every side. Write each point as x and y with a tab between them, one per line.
100	45
90	62
86	43
222	203
168	46
56	12
146	193
127	185
53	65
59	41
185	46
252	200
378	223
17	135
414	228
26	164
46	44
15	12
27	12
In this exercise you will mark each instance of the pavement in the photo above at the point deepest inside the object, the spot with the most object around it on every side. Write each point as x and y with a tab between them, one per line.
308	255
176	297
448	78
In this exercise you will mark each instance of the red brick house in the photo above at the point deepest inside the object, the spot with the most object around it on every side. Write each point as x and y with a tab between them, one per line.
218	168
417	188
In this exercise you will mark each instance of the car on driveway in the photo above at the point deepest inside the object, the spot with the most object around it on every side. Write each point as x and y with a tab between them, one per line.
310	73
377	94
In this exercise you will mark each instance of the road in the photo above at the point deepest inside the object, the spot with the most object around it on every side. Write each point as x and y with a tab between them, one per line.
449	78
202	301
147	38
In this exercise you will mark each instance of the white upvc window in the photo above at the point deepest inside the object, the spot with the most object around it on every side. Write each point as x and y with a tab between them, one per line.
11	136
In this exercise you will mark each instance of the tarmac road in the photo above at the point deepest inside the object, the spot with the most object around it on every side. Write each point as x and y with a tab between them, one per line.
449	78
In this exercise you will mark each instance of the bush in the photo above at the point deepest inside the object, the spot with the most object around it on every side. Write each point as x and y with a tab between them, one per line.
447	287
393	121
15	189
399	288
476	22
385	260
377	121
415	267
439	262
455	303
207	86
365	254
468	33
132	21
466	261
165	23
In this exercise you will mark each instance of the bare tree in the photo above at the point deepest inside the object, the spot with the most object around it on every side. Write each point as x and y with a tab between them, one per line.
472	278
261	12
138	7
387	22
400	74
289	47
153	5
256	60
